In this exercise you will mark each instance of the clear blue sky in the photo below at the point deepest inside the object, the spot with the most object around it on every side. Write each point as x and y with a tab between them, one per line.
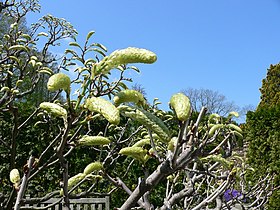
223	45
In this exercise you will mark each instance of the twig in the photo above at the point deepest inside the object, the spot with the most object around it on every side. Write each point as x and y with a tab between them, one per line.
24	183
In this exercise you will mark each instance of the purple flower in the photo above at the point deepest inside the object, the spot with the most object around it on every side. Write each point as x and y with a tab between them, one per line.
231	194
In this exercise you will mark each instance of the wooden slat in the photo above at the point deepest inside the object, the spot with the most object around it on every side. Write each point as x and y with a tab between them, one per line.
79	204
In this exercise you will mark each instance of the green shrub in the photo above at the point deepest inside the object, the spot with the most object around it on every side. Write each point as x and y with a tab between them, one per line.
263	135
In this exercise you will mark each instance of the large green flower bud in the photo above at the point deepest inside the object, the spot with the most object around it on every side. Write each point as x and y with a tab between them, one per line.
134	152
125	56
54	109
129	96
149	120
59	81
75	180
95	166
104	107
133	55
14	176
235	127
180	103
142	143
214	128
218	158
172	144
93	140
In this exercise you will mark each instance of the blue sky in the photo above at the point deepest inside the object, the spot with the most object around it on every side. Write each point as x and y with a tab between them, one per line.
222	45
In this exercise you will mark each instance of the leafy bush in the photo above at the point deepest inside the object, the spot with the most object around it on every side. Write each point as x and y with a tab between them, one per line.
263	136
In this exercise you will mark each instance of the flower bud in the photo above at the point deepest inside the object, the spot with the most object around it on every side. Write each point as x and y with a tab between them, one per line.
14	176
59	81
125	56
104	107
93	140
95	166
180	103
133	96
75	180
135	152
54	109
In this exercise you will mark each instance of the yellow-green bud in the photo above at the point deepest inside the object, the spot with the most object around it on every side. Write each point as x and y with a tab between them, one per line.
214	128
75	180
149	120
15	92
170	178
235	114
95	166
93	140
172	143
14	176
218	158
214	117
125	56
134	152
180	103
142	143
235	127
5	89
129	96
19	82
239	135
104	107
59	81
54	109
94	177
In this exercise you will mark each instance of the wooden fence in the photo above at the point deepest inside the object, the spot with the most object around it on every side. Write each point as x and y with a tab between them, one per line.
75	204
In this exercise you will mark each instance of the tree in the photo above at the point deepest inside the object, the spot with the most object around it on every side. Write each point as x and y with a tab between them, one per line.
262	128
270	90
80	146
213	100
22	68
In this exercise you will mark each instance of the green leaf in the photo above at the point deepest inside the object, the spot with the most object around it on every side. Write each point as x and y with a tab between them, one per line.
90	60
134	68
78	59
14	58
99	51
123	85
26	36
70	51
32	62
19	47
100	45
43	34
90	34
74	44
46	70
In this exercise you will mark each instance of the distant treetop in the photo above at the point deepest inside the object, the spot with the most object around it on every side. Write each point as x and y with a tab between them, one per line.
270	90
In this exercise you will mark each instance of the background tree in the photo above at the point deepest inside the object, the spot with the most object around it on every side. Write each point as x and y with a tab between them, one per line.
213	100
140	89
270	90
22	68
262	128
